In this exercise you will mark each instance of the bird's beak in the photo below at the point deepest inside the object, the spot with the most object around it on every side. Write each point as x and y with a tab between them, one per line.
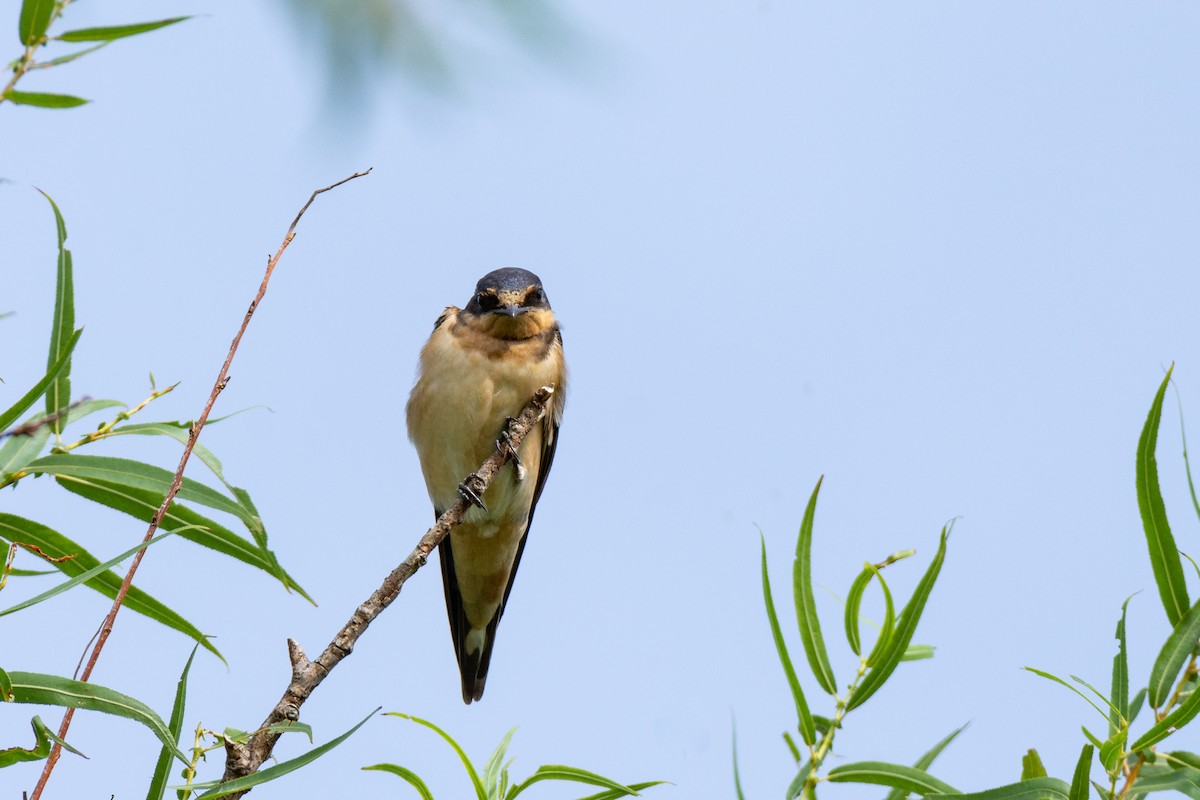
510	310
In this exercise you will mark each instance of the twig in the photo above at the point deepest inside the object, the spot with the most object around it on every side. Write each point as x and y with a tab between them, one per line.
193	434
31	427
243	759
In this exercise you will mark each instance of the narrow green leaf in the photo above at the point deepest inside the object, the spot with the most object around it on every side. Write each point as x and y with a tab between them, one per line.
1182	758
491	770
162	770
276	771
89	407
33	21
1061	682
6	689
32	687
926	761
796	787
1179	780
1032	766
1181	716
808	731
58	395
737	776
462	756
30	397
853	603
191	525
44	741
115	31
613	794
1035	789
87	569
906	626
889	625
17	451
69	57
1118	716
558	772
1135	705
1173	655
1111	750
897	776
791	744
1083	770
408	775
918	652
1164	556
1187	465
43	99
806	606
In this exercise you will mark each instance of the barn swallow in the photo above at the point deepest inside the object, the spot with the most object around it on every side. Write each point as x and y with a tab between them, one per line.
479	368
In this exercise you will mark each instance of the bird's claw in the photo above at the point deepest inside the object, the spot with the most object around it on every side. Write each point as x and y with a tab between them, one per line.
467	489
505	443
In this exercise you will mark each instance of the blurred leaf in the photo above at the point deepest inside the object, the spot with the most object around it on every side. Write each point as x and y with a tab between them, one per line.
44	738
20	450
89	407
1118	715
791	744
1032	766
1110	751
1035	789
808	731
906	779
558	772
796	787
905	628
189	524
32	687
1135	705
614	794
6	689
58	395
1164	556
218	789
926	761
918	652
34	19
1083	769
39	388
1173	655
162	770
1187	465
1181	716
407	774
116	31
462	756
87	569
1182	757
737	777
806	606
1184	780
69	57
43	99
491	770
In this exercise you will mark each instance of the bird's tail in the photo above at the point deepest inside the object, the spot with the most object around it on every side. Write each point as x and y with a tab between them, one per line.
472	646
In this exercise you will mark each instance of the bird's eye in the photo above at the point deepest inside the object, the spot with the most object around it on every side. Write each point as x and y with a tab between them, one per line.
487	301
534	297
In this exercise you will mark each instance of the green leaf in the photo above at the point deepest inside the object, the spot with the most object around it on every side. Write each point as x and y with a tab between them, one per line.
407	774
158	781
115	31
44	740
491	770
906	779
1181	716
1164	556
558	772
1083	769
58	395
69	57
6	689
43	99
466	762
87	569
808	730
189	524
1187	465
1174	654
737	777
30	397
219	789
1061	682
32	687
926	761
1184	780
854	603
1035	789
906	626
34	19
806	606
791	743
1118	715
20	450
1135	705
613	794
1032	766
1182	757
796	787
918	652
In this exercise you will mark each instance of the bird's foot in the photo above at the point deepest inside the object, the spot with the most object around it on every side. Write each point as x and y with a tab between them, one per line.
505	443
470	489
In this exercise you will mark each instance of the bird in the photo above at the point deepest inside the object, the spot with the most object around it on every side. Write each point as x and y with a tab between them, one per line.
481	365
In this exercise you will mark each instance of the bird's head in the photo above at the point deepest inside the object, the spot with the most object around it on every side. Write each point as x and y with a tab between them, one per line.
509	303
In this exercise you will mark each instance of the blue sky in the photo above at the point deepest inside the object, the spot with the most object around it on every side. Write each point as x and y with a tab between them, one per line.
940	253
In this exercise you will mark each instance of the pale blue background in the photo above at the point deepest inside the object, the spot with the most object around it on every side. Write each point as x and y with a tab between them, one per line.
939	252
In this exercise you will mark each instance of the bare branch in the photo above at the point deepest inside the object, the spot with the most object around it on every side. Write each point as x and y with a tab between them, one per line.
244	759
193	435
